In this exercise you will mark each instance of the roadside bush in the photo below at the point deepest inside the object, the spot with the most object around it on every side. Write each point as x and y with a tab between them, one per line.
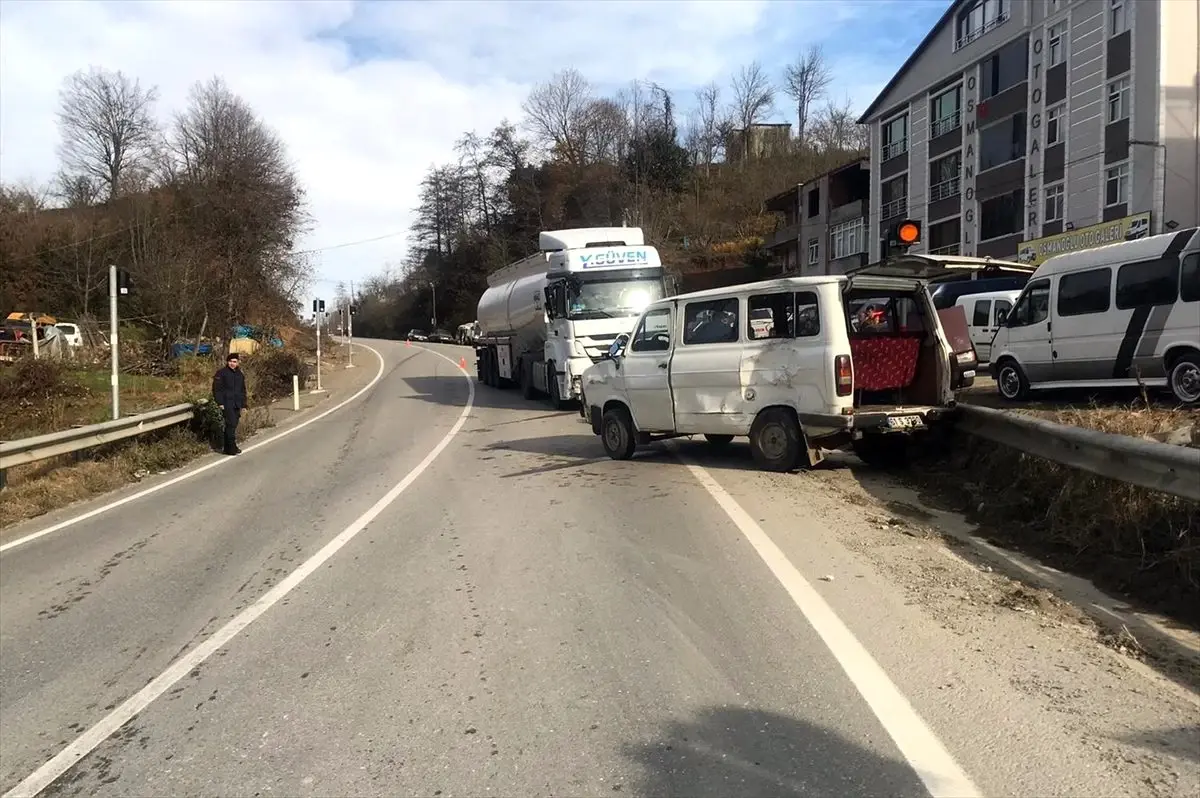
270	373
33	380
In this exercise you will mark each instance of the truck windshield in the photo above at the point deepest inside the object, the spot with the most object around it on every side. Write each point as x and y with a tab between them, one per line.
610	299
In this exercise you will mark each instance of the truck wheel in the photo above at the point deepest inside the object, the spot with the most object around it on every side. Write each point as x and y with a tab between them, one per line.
617	433
556	400
719	441
485	367
882	451
775	440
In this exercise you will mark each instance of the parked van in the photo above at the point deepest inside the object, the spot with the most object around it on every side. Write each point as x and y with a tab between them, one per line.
985	313
1107	317
858	359
947	292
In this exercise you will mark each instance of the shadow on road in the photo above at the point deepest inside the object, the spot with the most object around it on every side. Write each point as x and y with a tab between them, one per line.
1183	743
434	389
743	752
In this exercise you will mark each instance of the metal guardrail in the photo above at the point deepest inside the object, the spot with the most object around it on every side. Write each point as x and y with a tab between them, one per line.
1149	464
42	447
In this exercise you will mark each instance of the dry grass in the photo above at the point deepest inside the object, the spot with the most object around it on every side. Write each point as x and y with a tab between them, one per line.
1129	539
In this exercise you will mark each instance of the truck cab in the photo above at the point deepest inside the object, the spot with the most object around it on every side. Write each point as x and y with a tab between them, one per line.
858	361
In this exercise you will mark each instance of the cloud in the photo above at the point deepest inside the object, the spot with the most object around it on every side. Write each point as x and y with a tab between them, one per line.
368	95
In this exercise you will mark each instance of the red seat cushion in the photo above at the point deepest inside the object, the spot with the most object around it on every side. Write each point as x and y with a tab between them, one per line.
884	363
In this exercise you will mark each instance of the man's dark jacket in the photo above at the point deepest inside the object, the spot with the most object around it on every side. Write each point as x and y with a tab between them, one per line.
229	388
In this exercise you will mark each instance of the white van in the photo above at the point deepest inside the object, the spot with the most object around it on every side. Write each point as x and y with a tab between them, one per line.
1107	317
858	359
985	313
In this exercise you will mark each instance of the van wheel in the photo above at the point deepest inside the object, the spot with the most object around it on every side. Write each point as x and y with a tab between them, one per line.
719	441
775	440
1185	378
882	451
617	433
1011	381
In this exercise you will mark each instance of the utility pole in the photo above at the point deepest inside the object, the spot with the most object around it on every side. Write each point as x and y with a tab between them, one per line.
350	329
433	300
33	328
113	342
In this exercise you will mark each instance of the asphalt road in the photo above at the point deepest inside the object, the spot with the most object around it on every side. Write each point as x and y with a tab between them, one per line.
441	589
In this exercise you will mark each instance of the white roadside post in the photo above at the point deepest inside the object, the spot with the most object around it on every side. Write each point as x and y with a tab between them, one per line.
113	343
296	392
33	335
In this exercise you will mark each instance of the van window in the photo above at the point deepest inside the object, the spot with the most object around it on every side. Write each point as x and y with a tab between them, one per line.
1189	278
1148	282
983	312
711	322
653	333
1033	307
783	316
1001	310
1084	292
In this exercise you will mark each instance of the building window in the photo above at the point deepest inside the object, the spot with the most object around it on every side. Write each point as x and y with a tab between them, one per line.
945	237
814	251
895	137
814	202
894	201
1118	17
1001	216
1004	69
1116	184
1002	142
1054	204
1054	124
1118	100
1087	292
947	112
944	177
1054	7
977	19
1056	43
848	238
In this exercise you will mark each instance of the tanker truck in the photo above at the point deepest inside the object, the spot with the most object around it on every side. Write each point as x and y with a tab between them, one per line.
547	317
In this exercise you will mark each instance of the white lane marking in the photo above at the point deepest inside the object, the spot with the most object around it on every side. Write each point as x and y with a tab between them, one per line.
87	742
934	765
21	541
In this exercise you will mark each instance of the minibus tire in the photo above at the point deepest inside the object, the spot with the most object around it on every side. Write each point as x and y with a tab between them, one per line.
1180	367
719	441
1013	369
617	433
776	441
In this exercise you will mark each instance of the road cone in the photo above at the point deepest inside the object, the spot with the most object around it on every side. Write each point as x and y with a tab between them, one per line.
462	363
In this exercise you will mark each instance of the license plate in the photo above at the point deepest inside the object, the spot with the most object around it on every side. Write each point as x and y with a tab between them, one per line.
904	422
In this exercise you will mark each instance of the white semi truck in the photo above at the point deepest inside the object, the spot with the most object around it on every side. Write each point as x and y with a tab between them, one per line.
547	317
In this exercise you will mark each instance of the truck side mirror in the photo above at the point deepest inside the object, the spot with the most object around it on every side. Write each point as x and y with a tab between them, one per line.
549	292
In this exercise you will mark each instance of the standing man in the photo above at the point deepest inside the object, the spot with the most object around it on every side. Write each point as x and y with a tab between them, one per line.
229	391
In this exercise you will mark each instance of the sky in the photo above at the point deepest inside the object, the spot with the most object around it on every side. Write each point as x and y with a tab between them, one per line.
368	95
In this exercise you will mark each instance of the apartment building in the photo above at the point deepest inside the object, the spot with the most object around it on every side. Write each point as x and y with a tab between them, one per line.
1020	128
824	225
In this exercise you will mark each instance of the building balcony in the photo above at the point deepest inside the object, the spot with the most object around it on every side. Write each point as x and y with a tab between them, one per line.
784	234
952	249
894	209
945	189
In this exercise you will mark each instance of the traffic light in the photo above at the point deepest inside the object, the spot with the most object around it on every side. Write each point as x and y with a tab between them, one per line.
353	309
124	284
904	234
318	306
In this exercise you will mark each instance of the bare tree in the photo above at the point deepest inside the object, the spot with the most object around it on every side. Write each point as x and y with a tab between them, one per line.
836	128
753	100
607	131
557	114
106	122
473	162
805	81
707	127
